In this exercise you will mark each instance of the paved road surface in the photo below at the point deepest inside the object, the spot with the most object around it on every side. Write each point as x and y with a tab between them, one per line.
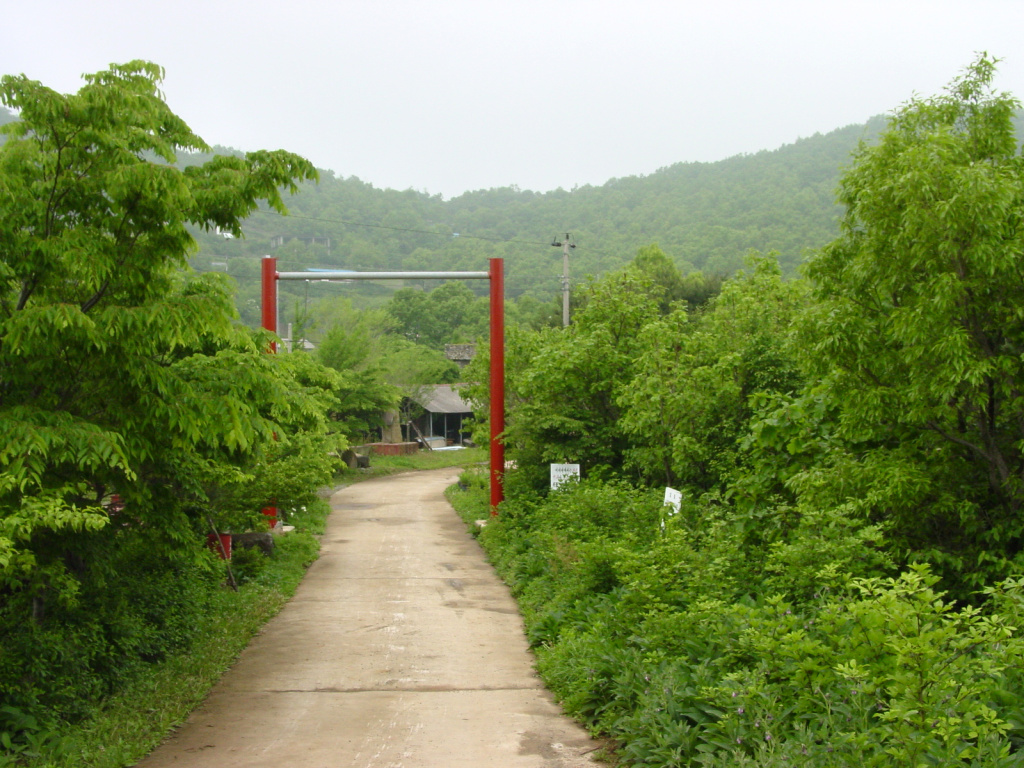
401	649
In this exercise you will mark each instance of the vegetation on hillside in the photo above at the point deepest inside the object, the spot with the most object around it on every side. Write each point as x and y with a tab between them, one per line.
841	584
704	217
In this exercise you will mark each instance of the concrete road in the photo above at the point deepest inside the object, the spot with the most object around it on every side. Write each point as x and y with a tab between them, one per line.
401	649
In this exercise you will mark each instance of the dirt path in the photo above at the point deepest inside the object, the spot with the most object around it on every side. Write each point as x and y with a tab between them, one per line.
401	649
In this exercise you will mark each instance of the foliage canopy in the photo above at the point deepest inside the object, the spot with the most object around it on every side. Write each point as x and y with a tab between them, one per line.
840	585
122	373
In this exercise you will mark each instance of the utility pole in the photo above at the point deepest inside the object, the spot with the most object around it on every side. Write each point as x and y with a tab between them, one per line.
565	245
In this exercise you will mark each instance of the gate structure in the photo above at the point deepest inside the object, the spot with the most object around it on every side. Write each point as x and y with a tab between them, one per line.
496	276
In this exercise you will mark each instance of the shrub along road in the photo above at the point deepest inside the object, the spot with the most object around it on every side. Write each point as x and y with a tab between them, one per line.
401	648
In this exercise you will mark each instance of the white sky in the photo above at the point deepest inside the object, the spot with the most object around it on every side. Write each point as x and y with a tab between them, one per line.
446	96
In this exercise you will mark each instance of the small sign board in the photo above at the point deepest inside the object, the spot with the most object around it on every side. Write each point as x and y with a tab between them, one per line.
674	499
561	473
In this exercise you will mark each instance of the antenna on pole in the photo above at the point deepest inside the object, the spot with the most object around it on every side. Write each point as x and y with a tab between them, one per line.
565	245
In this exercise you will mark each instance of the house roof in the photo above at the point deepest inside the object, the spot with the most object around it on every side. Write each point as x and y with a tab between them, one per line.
443	398
460	352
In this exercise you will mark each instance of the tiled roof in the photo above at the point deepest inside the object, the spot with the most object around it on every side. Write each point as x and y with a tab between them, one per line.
443	398
459	351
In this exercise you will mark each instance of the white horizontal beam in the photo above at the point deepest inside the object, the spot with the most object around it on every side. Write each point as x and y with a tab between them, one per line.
383	275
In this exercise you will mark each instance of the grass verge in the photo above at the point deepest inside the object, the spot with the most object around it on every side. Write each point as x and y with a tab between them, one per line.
381	466
136	719
470	498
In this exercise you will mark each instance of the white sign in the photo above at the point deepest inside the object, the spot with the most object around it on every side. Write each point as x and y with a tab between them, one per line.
674	499
560	473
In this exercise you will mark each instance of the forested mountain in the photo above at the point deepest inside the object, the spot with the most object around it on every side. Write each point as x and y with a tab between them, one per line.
705	216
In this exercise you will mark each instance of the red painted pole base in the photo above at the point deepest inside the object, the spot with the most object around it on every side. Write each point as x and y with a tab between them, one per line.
221	547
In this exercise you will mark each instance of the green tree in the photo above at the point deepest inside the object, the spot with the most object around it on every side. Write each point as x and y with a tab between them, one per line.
413	368
693	288
918	330
119	371
351	338
689	402
450	313
379	367
354	348
565	383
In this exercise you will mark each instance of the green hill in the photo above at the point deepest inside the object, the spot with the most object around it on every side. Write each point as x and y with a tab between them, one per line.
705	216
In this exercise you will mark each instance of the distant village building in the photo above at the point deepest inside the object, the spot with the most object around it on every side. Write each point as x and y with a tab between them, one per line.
294	345
444	414
278	240
460	354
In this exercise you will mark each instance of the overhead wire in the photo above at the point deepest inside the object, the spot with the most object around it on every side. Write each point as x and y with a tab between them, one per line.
451	235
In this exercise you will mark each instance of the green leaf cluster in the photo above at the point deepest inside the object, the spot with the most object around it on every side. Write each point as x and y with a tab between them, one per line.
840	584
135	410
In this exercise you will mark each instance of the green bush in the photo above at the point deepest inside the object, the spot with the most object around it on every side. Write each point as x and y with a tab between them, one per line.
134	607
247	563
694	644
23	737
108	721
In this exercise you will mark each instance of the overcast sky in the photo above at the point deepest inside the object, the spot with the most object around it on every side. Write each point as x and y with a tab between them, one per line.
446	96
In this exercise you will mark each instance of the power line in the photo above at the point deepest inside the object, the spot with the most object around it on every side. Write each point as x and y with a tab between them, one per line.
452	235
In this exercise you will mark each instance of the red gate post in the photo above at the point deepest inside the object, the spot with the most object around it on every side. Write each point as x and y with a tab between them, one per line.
269	317
497	275
269	297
